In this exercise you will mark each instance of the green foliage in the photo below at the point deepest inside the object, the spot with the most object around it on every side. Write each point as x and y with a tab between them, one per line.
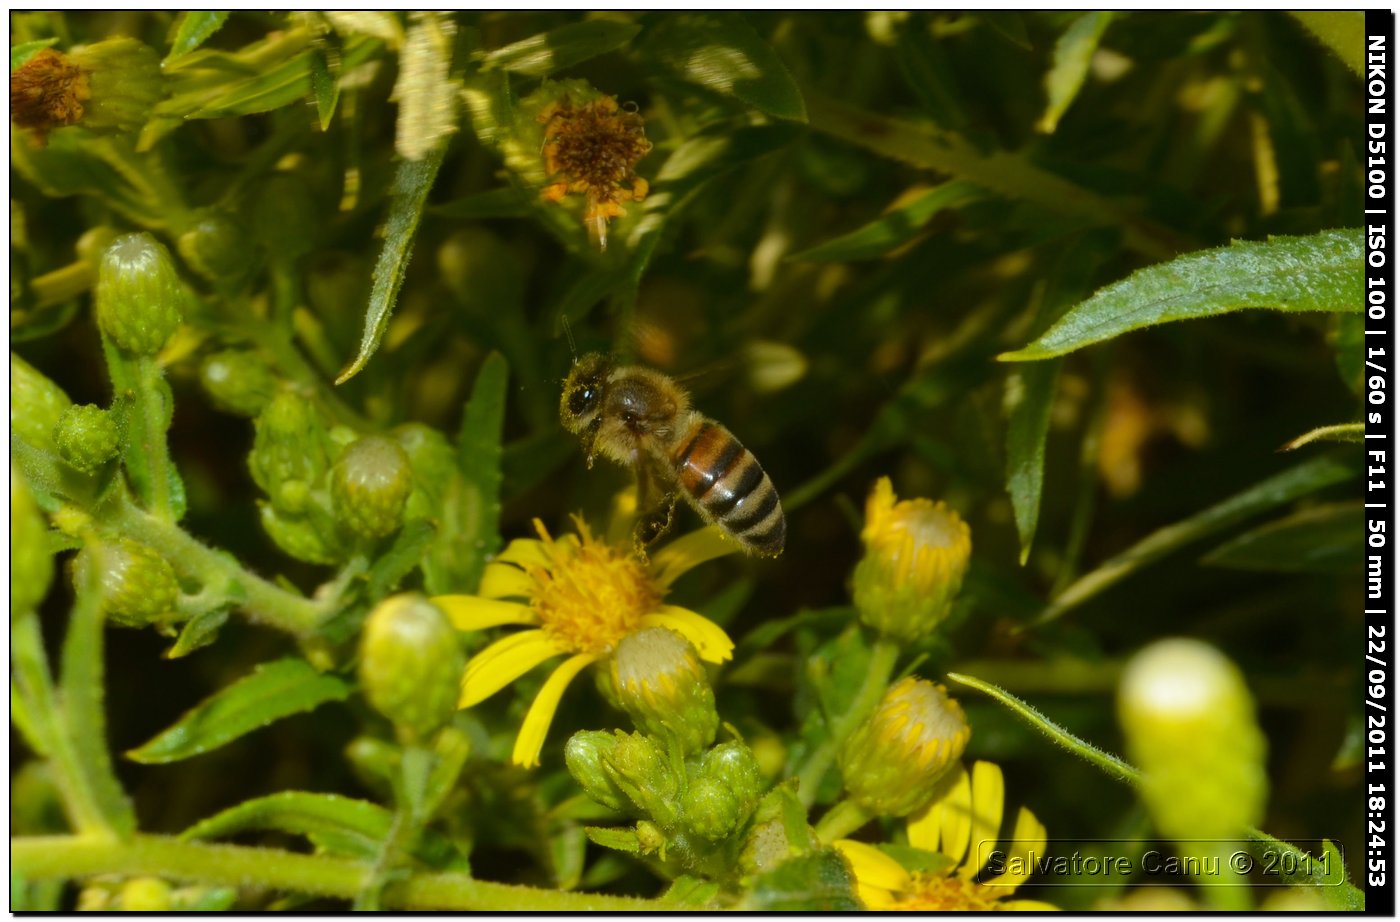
279	235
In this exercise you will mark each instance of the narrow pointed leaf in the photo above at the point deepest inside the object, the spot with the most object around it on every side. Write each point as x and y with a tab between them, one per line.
1284	487
1073	53
894	228
1029	395
411	185
478	507
271	692
1343	31
543	54
1322	539
1342	432
358	827
193	29
325	86
1322	272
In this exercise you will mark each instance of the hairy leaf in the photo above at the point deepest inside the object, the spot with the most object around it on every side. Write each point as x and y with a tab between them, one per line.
1030	392
1317	273
272	691
1073	52
1322	539
357	827
193	29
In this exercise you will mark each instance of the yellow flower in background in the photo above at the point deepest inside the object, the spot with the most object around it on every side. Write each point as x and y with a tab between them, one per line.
579	596
961	825
916	555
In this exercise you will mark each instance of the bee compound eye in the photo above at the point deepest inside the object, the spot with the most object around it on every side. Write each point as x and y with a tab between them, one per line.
580	399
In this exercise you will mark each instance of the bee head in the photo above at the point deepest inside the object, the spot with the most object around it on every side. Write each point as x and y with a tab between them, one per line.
582	398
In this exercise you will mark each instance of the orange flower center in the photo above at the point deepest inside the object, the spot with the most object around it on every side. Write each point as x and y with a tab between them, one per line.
936	893
590	596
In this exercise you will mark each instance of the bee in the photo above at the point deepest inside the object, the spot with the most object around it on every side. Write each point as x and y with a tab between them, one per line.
642	419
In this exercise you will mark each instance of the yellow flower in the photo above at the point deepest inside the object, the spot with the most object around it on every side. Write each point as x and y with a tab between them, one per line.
580	596
916	555
961	826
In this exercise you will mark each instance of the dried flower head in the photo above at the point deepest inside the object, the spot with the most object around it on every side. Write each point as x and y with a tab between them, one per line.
591	148
47	92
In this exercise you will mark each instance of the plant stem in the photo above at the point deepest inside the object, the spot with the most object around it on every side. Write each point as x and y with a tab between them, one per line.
63	284
261	600
147	402
48	857
31	674
877	679
842	820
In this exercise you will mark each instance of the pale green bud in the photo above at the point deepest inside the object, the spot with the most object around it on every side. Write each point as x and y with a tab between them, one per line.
145	894
31	561
641	770
1189	722
36	404
125	82
410	664
658	679
723	792
892	763
238	381
138	585
291	451
138	293
299	536
217	247
86	436
370	484
584	757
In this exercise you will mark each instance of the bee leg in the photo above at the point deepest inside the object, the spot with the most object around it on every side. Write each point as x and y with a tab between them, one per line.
653	525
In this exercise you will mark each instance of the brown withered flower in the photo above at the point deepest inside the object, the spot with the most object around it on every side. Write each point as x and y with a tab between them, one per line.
47	92
592	149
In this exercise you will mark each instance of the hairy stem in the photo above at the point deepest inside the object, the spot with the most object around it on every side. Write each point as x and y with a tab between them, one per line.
842	820
877	679
48	857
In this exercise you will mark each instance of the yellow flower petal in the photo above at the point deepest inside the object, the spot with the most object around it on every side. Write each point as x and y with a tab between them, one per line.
473	613
713	645
878	876
1027	844
955	816
988	795
532	732
502	580
503	662
525	552
925	826
1027	906
688	552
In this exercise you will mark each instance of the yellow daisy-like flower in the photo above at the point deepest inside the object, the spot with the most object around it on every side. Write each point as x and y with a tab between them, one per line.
580	596
962	826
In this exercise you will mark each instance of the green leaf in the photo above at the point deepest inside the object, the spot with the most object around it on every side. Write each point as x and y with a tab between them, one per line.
1322	539
479	447
26	50
1322	272
816	882
1347	335
894	228
412	181
1341	432
1284	487
271	692
397	562
354	827
722	52
325	85
1073	52
193	29
1343	31
198	632
543	54
691	891
622	840
1030	392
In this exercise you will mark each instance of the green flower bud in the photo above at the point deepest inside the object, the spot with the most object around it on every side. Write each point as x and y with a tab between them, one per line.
291	451
584	756
410	664
1189	722
238	381
434	464
370	484
138	585
87	437
892	763
36	404
299	537
145	894
125	82
658	680
138	294
31	561
916	555
217	247
723	792
641	771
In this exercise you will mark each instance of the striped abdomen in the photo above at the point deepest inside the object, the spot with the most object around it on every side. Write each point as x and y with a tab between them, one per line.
725	482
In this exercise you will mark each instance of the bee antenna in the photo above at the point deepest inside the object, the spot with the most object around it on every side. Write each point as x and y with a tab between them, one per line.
569	334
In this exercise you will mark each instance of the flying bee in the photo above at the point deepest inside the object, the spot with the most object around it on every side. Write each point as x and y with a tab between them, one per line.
642	419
